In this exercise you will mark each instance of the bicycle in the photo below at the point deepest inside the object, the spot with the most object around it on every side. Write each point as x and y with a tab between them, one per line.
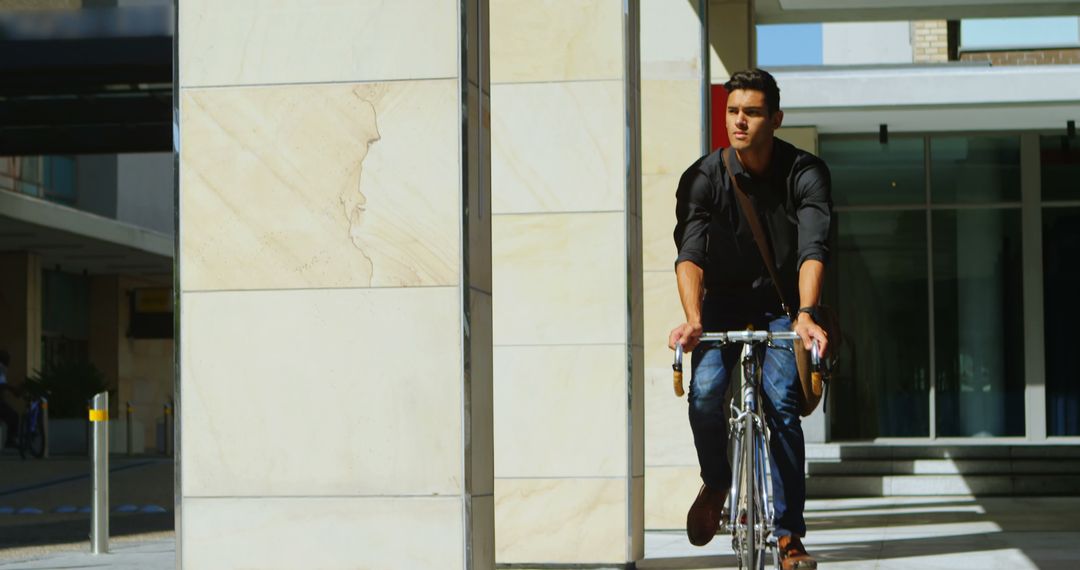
750	512
31	437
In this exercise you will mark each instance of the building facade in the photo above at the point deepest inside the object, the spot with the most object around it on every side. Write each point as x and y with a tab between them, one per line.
428	246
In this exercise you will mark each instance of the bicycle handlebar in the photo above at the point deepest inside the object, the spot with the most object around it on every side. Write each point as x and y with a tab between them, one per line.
746	336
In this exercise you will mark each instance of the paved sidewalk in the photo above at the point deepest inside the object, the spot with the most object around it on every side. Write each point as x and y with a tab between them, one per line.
953	533
154	551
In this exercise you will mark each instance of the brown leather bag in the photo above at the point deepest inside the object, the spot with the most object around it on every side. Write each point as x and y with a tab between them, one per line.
813	383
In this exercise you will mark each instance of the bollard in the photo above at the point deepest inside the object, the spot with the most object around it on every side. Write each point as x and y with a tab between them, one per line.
129	415
99	523
168	429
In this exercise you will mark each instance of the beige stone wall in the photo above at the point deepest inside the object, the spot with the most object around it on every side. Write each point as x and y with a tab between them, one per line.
566	268
671	140
930	41
732	40
672	135
335	386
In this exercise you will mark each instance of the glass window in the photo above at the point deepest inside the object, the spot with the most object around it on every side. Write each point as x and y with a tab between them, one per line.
1060	159
65	304
1004	33
1061	281
968	170
866	172
880	291
60	179
978	323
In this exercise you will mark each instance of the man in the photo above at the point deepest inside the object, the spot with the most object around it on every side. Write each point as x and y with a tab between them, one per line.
725	285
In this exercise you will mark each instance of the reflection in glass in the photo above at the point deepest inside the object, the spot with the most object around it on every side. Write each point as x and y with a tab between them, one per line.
978	323
880	277
1060	159
1061	282
968	170
866	172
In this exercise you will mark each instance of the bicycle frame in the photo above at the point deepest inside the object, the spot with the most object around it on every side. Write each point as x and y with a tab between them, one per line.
750	509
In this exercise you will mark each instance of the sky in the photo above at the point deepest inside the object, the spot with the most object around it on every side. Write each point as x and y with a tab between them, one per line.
801	44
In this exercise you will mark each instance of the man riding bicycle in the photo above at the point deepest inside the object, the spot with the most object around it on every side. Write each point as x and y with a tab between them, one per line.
725	285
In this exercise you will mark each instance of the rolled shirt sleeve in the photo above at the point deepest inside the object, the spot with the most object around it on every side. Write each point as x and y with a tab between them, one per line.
814	191
693	211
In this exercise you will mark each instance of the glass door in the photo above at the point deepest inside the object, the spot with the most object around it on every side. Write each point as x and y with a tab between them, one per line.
927	278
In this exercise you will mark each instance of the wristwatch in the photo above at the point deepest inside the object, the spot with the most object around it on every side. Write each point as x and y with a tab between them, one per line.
808	310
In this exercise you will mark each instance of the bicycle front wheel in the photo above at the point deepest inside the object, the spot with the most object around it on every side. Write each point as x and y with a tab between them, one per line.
749	498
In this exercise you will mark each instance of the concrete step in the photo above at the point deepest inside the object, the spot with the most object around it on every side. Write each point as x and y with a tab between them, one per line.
836	486
944	467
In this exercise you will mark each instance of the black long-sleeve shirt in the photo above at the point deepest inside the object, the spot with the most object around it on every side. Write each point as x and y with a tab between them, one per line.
794	202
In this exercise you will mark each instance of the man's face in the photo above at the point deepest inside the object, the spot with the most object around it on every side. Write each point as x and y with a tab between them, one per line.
749	126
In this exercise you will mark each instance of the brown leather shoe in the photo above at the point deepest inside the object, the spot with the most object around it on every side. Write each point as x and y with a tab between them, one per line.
703	519
793	555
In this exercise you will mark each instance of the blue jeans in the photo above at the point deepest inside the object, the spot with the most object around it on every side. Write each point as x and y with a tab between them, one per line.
712	366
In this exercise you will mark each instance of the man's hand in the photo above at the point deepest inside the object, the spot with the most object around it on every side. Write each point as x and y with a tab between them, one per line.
686	334
809	331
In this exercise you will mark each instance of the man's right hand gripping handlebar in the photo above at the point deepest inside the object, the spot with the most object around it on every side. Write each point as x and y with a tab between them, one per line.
684	337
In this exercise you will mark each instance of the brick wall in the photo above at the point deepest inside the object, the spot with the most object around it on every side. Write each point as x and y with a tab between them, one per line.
1025	57
930	41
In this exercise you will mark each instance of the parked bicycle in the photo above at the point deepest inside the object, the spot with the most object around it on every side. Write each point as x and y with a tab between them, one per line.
32	438
749	514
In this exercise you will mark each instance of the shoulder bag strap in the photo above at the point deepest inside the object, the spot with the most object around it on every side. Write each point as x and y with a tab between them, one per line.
757	230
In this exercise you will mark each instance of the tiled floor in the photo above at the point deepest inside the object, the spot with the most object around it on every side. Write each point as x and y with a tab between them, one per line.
951	533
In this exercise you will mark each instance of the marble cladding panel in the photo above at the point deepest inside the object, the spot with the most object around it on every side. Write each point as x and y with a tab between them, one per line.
248	42
670	126
730	47
658	222
559	278
669	492
663	312
322	392
558	147
560	411
556	40
668	439
577	521
343	185
481	390
355	532
670	40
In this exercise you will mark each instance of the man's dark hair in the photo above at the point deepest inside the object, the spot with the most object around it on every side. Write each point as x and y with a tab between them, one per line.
757	80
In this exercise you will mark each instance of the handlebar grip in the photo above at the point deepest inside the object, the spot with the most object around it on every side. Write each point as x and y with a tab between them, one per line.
678	383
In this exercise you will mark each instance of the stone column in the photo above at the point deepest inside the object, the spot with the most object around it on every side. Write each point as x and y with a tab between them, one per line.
673	132
567	282
20	313
334	278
